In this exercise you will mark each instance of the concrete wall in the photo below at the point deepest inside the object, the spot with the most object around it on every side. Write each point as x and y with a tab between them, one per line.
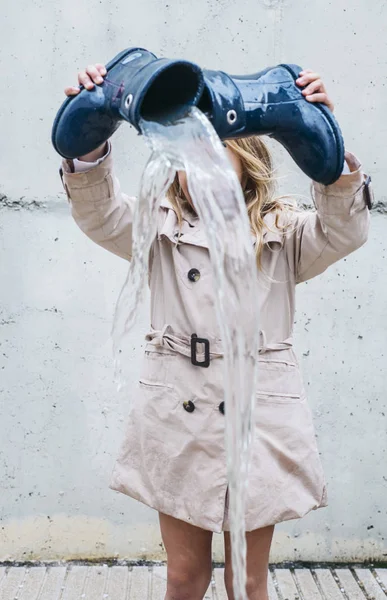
61	418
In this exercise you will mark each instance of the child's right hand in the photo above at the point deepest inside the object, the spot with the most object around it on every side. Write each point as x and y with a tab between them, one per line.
91	75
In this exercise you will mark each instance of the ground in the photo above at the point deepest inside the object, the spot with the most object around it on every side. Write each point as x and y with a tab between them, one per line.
125	582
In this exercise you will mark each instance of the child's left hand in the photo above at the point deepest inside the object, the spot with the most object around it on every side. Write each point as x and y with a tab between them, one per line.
315	90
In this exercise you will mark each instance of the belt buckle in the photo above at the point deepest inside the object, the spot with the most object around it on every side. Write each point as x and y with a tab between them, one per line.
367	192
194	341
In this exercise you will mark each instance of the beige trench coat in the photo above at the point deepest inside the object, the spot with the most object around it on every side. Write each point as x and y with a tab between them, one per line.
173	454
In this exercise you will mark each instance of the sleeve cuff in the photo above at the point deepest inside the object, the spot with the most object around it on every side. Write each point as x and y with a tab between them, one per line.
348	183
87	185
81	166
350	193
346	168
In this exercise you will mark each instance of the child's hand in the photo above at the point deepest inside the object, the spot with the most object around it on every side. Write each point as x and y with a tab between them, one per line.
315	90
92	74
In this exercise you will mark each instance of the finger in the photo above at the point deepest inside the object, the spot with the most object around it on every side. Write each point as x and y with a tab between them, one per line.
323	98
101	68
94	74
72	91
305	72
308	78
85	80
315	86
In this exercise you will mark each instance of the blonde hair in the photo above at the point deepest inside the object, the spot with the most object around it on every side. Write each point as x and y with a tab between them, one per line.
258	186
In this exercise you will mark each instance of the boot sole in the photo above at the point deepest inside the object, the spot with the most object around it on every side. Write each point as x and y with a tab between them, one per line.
332	121
109	66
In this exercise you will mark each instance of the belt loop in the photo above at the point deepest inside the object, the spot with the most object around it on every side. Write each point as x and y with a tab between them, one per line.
368	196
66	189
161	337
263	348
163	331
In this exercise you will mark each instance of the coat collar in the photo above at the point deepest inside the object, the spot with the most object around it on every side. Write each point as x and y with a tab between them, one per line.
187	216
270	235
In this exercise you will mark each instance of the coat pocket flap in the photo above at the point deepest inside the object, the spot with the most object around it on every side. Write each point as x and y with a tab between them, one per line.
279	379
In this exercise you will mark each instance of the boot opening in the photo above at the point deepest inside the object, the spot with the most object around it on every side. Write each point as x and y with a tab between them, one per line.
205	102
177	88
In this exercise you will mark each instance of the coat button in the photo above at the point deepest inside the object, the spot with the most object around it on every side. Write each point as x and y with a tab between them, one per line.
194	275
189	406
221	407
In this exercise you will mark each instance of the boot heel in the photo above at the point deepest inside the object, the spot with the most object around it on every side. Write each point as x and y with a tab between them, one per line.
295	71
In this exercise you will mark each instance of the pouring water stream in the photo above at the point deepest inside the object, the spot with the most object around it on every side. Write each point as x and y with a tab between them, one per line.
191	144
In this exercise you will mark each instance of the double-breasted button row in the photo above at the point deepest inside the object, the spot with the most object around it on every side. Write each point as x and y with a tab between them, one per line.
190	407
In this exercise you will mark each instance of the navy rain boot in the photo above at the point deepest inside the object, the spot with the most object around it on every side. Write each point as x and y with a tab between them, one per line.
137	85
271	103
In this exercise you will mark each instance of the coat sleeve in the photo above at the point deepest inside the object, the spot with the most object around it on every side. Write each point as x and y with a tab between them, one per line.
337	227
100	209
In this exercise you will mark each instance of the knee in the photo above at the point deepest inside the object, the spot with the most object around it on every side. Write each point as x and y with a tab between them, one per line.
186	583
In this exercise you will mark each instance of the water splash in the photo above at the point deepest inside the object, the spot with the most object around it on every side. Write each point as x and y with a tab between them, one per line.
191	144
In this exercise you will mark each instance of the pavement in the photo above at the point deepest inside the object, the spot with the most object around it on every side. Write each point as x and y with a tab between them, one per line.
103	582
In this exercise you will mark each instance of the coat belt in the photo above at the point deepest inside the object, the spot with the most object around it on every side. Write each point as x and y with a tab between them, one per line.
182	344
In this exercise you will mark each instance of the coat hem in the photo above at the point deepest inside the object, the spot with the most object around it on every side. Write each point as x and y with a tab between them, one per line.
160	507
181	514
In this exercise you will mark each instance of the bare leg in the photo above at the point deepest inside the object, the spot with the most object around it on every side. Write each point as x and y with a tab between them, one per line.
258	549
189	559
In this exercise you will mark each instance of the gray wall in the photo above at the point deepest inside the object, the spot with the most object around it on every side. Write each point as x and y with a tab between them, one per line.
61	417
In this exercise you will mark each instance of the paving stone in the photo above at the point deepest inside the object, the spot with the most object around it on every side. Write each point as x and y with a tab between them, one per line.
100	582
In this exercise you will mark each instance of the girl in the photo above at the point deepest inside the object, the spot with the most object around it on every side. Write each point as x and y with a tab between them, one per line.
173	455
